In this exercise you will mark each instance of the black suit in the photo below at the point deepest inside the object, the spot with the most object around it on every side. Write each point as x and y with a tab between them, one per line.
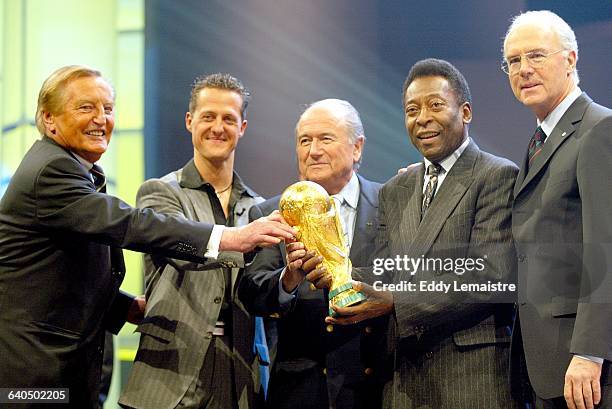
317	366
562	227
61	267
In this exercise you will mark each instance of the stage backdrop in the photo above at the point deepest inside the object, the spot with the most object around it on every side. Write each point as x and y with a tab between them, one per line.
293	52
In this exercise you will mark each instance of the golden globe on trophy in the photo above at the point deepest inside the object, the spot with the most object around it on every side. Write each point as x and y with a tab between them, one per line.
308	208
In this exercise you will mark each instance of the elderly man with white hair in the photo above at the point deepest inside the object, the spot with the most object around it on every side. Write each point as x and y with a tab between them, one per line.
561	222
319	365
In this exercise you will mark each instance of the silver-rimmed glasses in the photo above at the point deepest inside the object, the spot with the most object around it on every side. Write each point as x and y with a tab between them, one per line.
535	59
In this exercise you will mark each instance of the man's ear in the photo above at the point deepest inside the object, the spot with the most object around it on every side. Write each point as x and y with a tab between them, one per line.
358	148
243	128
571	61
466	109
188	119
49	121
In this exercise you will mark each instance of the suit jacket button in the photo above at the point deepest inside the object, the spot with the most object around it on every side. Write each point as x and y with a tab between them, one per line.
217	300
329	328
368	371
324	371
368	329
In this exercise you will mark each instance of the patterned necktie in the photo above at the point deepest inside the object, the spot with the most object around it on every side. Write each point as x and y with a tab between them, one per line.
99	179
535	144
340	203
433	171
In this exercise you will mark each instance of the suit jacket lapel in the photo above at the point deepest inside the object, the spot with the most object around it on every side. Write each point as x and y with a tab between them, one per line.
564	129
368	200
407	199
446	199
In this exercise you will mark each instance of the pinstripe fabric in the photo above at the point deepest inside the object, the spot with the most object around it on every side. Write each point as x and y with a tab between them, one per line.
183	304
452	349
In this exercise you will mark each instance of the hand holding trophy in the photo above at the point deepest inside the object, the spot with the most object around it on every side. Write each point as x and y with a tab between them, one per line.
308	208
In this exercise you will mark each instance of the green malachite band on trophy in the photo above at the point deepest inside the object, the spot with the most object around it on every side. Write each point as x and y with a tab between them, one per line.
342	300
338	290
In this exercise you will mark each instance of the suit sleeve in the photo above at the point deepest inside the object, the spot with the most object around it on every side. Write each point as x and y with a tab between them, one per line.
117	314
161	197
592	333
258	287
68	203
490	240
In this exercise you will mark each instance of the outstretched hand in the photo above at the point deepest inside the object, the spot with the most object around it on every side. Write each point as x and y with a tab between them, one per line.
263	232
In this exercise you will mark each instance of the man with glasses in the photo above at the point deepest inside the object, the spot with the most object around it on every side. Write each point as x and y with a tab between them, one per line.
562	341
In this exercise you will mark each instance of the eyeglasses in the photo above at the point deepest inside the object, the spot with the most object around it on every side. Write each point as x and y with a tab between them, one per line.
535	59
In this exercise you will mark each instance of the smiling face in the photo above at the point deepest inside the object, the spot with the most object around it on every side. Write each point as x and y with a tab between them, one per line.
541	89
216	125
86	122
435	121
326	155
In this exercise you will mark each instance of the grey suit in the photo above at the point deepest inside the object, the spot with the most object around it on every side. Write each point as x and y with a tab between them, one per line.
183	304
563	229
451	349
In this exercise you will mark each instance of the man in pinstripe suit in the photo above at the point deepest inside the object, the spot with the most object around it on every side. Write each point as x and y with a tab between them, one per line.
196	345
451	348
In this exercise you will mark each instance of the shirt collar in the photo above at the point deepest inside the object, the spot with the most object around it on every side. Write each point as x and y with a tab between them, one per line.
448	162
88	165
552	119
191	178
350	192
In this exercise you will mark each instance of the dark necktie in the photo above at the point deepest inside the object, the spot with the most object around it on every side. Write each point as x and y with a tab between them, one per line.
99	179
433	171
535	144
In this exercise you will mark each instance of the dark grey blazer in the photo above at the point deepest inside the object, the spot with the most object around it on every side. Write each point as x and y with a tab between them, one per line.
451	349
562	226
305	345
183	303
61	266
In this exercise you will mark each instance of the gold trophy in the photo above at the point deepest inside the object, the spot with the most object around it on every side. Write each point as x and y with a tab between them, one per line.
307	207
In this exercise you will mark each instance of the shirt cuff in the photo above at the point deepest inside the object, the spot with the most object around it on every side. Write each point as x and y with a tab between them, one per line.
285	298
595	359
212	248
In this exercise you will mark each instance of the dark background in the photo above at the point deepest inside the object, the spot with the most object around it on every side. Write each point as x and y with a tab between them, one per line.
293	52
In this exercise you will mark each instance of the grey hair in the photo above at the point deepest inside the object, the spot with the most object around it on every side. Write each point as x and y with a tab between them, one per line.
546	18
349	115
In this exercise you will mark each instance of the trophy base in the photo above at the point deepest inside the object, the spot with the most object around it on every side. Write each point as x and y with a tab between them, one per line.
344	296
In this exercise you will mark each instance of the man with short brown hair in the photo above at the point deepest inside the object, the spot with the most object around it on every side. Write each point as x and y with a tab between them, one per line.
61	237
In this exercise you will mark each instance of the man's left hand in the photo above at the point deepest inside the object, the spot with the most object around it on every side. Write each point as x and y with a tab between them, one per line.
376	304
137	310
582	389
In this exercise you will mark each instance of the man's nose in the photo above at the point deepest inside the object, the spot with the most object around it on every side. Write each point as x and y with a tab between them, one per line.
315	148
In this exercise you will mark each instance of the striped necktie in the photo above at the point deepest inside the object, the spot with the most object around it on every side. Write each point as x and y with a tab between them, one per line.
535	144
99	179
433	171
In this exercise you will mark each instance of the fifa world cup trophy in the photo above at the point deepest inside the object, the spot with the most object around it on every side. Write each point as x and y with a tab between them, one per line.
308	208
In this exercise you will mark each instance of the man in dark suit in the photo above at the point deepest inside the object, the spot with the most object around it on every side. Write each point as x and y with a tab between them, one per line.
61	237
561	221
448	213
205	358
319	365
